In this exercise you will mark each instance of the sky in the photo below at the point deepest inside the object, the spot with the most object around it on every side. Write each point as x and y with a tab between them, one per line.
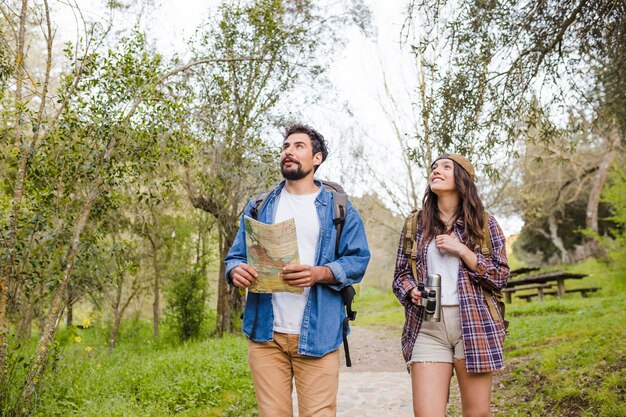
356	73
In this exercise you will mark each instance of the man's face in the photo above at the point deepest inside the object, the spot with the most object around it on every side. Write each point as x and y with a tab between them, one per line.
297	159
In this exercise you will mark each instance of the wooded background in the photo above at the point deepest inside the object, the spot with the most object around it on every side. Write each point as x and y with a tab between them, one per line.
124	171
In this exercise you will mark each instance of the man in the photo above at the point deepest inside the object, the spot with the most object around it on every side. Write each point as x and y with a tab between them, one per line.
297	336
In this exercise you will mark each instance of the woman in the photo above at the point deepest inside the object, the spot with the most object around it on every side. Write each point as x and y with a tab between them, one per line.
468	338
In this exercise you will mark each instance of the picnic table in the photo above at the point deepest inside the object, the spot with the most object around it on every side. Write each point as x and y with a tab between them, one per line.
523	270
538	282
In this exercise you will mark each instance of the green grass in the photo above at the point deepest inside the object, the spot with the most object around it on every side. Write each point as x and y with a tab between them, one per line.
379	310
563	357
571	351
199	378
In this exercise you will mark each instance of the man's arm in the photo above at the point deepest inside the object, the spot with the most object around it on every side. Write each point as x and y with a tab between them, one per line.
237	254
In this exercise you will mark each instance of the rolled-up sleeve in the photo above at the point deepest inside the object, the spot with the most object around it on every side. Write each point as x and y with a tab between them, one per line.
493	270
354	254
403	280
237	253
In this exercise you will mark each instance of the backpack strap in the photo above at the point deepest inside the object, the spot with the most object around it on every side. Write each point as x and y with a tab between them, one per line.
498	307
409	244
340	209
486	247
258	205
347	294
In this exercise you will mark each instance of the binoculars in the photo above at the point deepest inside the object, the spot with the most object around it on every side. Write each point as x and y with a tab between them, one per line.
431	299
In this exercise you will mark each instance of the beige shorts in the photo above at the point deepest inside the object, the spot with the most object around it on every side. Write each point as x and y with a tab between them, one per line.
440	341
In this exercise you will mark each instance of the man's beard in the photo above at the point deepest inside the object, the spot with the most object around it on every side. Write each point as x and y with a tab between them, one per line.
293	174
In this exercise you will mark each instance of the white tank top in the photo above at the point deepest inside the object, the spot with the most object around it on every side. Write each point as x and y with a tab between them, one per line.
448	267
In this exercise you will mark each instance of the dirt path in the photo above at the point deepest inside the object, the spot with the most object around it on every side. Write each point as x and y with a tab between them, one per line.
378	384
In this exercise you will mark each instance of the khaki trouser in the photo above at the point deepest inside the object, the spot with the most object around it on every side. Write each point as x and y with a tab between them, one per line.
275	364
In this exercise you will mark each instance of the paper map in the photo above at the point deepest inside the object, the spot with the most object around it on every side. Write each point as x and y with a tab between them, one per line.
270	247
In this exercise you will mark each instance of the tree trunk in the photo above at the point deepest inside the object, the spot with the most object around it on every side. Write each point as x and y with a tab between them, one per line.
556	239
591	220
156	305
16	202
223	323
115	331
24	331
40	361
597	186
69	314
229	300
117	312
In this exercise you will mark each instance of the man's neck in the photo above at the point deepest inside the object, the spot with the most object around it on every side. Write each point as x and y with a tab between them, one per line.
302	186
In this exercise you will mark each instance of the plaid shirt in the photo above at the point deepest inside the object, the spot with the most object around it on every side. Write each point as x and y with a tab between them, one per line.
483	336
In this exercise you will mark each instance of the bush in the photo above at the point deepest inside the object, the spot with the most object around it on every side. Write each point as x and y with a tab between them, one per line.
186	304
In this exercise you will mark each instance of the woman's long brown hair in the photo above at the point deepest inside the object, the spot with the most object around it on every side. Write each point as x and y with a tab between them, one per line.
470	210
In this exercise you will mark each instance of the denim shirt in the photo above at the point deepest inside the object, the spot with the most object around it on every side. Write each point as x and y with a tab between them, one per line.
321	330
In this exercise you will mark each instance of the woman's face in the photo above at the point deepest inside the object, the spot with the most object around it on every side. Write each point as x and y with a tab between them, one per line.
441	178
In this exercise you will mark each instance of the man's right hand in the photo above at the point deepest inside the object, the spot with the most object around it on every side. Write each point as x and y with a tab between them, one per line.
243	275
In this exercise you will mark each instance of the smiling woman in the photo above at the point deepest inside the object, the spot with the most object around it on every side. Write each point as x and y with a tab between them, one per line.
460	334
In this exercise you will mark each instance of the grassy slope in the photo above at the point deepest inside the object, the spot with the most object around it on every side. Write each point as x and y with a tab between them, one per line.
564	357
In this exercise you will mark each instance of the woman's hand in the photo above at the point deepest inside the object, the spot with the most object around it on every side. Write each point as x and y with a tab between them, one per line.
416	295
448	244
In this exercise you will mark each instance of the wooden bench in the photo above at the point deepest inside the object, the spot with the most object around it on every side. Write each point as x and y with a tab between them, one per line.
582	291
539	287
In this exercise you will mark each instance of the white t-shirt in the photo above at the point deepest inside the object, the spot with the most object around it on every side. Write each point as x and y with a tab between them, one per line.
288	307
447	266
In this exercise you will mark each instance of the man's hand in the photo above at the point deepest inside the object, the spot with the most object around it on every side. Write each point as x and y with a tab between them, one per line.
243	275
307	275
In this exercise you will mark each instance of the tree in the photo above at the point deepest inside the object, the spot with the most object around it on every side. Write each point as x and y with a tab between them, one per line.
563	54
93	143
28	120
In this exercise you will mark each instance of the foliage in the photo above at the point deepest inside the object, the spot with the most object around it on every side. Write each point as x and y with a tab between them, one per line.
141	378
186	304
518	70
110	129
614	195
505	53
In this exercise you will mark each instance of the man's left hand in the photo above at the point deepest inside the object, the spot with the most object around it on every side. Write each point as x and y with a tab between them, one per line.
307	275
